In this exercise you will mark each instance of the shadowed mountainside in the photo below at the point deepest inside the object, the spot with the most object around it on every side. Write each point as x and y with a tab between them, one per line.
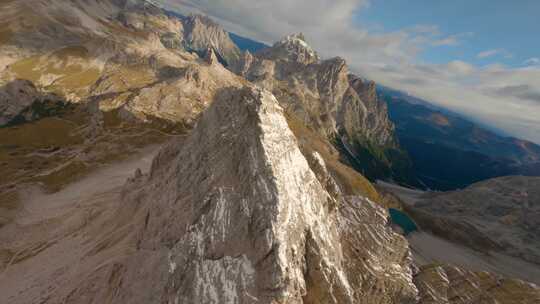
469	152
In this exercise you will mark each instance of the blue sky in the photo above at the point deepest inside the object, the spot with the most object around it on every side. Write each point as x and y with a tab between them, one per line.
508	27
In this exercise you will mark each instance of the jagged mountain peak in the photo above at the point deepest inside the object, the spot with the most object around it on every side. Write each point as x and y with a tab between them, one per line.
237	214
294	37
201	19
292	48
202	32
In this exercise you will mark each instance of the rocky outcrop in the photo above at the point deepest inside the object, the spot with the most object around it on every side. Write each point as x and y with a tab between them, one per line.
363	113
292	49
201	33
237	215
183	97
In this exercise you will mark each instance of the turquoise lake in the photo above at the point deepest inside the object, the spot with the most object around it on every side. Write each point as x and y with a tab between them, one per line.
402	220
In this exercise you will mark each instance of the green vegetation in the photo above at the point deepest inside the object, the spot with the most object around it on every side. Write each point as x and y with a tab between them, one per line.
77	82
47	151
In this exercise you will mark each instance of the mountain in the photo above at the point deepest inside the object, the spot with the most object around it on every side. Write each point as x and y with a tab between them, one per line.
138	168
137	45
231	51
201	32
328	98
107	87
472	153
263	225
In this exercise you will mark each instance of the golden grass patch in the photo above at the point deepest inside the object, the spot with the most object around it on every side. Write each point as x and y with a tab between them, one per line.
70	66
77	82
126	78
42	133
20	146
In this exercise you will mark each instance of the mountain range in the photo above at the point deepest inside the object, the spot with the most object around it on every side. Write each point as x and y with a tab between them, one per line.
471	153
148	158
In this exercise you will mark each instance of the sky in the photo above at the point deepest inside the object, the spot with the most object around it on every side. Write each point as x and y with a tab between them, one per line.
479	58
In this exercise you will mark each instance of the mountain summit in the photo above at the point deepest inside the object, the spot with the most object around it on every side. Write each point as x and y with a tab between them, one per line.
236	214
327	97
292	48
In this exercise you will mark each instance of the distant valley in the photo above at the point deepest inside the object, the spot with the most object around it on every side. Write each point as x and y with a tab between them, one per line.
450	152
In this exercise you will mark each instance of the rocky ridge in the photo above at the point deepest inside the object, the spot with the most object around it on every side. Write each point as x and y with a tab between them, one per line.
107	47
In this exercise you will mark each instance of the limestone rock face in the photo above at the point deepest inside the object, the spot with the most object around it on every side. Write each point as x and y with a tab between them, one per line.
183	97
237	215
210	56
363	113
322	93
293	49
201	33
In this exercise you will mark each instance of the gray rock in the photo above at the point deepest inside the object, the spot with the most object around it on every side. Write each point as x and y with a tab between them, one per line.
322	93
201	33
236	215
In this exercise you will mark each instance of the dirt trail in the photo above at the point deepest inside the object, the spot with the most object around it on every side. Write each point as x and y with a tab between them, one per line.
58	239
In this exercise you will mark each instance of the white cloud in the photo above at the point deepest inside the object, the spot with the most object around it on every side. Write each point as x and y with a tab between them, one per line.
460	67
532	61
496	95
487	53
328	25
494	52
452	40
